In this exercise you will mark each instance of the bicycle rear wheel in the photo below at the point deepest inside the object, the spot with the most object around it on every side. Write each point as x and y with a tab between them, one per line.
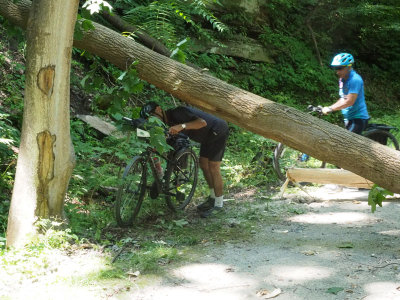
181	179
286	157
131	192
382	136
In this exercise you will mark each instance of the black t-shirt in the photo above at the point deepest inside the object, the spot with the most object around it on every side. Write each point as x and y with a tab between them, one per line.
182	114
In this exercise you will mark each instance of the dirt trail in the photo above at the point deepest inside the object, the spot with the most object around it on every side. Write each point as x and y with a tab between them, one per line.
338	249
334	248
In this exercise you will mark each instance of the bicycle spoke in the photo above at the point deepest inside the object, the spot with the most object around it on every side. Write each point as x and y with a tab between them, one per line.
181	180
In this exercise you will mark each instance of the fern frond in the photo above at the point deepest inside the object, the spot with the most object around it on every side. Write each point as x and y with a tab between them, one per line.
162	19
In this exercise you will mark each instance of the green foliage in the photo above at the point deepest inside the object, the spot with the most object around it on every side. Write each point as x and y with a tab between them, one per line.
4	208
95	6
376	196
334	290
51	236
102	159
247	162
178	53
111	88
151	255
9	139
166	19
89	220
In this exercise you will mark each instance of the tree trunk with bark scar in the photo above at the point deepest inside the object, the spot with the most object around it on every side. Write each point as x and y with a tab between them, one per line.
296	129
46	158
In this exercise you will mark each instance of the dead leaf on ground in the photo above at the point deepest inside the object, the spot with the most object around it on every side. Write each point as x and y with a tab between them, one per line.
266	294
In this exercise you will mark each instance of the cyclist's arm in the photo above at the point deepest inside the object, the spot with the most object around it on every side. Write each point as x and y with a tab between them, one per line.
195	124
347	101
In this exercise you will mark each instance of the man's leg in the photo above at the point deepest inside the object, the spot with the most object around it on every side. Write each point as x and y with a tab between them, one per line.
214	168
204	166
215	171
209	203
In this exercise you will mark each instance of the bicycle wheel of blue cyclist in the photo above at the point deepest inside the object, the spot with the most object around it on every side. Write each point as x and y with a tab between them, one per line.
181	179
383	137
286	157
131	192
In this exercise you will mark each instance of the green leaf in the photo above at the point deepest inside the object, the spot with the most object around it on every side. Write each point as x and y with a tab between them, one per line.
376	196
346	245
334	290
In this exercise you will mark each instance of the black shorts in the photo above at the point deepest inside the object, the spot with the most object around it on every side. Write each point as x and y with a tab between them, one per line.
214	148
356	125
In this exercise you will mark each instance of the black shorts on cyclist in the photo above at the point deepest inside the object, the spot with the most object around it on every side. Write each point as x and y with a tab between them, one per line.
212	137
356	125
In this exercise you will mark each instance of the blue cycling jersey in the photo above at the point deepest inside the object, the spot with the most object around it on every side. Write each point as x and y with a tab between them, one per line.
353	85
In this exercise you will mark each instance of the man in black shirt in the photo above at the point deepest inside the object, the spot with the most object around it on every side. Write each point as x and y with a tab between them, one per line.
208	130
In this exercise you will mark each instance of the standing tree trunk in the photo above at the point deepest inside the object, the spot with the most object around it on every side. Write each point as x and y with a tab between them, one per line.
46	158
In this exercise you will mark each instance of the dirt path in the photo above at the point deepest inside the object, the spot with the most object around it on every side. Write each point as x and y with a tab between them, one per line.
316	246
338	249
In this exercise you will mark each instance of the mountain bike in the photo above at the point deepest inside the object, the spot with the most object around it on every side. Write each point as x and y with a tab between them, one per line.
143	178
285	157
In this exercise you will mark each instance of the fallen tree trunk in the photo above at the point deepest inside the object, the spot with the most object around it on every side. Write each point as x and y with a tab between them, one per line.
296	129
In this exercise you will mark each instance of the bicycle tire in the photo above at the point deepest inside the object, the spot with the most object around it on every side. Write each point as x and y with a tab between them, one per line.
181	179
131	192
286	157
383	137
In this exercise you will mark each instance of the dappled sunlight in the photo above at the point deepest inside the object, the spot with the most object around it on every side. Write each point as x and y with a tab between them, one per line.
205	281
211	275
394	232
382	290
339	194
289	275
333	218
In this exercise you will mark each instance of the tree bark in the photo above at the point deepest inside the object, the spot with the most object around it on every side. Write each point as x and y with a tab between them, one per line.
284	124
46	158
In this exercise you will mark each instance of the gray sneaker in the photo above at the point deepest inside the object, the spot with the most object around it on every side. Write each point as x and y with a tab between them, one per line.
206	205
211	212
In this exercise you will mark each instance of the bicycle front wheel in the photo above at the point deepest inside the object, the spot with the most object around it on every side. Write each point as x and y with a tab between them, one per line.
286	157
384	137
131	192
181	179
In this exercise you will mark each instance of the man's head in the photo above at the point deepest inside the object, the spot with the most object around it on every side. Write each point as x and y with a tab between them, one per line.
148	109
342	64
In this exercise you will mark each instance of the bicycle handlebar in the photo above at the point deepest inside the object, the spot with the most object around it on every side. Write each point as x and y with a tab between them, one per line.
317	109
138	123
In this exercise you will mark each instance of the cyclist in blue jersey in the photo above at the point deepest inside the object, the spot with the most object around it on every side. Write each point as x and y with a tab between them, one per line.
351	94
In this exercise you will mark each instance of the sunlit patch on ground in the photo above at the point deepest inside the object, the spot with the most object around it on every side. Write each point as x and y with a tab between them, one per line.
385	290
203	281
290	275
394	232
211	275
333	218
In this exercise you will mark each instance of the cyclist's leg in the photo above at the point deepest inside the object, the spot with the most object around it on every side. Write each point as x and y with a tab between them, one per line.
211	154
213	151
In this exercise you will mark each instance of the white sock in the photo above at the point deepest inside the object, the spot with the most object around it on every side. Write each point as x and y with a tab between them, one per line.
219	201
212	193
